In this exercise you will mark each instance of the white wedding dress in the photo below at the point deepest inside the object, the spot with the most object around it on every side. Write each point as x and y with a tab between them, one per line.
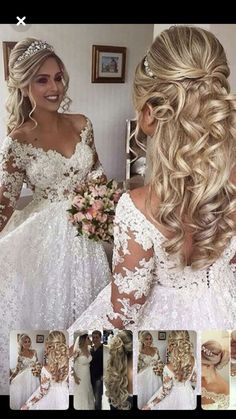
184	300
147	381
24	383
48	275
83	392
51	395
175	394
218	401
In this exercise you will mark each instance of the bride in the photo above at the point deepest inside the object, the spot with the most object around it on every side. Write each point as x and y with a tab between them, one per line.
174	239
48	275
22	381
83	391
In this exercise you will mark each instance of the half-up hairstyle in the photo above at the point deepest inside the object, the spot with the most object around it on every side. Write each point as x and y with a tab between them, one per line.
180	354
116	376
213	354
184	79
57	354
21	73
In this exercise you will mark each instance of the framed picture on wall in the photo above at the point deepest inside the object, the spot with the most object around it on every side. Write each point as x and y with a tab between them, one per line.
108	64
161	335
7	47
39	338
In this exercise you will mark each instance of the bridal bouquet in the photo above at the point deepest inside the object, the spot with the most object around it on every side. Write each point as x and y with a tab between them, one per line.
93	209
158	367
36	369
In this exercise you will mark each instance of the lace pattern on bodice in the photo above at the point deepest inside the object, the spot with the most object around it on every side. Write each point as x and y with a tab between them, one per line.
25	362
221	400
50	175
140	264
145	360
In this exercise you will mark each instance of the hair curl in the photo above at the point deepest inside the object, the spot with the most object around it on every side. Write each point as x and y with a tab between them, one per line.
116	376
57	354
180	354
213	354
193	147
20	76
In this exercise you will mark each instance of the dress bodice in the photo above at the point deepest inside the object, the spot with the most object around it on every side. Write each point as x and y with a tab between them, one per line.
83	359
145	360
26	362
50	175
219	400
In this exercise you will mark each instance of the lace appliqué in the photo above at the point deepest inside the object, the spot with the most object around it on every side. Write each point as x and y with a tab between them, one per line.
164	390
222	400
42	391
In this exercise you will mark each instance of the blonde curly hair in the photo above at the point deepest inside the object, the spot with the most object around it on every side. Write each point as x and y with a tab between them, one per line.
116	376
20	342
180	354
57	355
142	336
21	74
213	354
184	79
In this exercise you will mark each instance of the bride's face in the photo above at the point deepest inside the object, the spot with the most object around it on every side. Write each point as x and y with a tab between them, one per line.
26	342
148	341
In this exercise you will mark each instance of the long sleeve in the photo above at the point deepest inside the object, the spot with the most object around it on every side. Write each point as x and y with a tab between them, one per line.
97	169
133	264
164	390
42	390
11	181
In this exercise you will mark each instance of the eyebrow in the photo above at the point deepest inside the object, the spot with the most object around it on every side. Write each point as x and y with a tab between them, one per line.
48	75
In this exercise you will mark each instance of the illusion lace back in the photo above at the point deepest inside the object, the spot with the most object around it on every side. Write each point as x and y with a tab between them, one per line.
219	401
173	299
49	276
174	394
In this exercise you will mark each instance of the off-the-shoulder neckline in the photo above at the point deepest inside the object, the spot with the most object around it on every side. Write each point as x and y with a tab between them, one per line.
53	151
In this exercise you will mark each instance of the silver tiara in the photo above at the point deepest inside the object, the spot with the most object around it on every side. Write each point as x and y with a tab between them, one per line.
35	47
148	71
207	351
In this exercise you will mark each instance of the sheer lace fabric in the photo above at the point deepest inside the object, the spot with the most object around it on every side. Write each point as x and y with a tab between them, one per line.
48	275
50	395
218	400
174	394
151	293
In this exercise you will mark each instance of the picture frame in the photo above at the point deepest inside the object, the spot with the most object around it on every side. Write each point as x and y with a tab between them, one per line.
161	335
39	338
108	64
6	48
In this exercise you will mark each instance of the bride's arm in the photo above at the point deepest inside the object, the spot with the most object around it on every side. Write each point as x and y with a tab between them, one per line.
40	392
11	180
133	265
163	391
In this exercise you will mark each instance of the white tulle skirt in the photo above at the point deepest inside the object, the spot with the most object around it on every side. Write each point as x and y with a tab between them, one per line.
21	388
48	275
57	398
147	384
181	397
83	392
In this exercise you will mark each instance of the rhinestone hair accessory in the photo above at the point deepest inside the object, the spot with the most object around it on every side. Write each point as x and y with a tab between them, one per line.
207	351
34	47
148	71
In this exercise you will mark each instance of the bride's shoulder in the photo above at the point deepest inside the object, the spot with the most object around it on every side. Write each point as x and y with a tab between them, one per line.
79	121
139	196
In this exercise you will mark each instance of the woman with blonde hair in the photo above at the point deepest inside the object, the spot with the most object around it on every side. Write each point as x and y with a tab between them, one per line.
215	389
175	238
25	378
45	264
150	368
83	390
53	393
119	371
179	375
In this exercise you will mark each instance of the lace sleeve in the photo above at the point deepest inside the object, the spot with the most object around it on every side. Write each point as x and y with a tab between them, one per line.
11	181
42	390
19	367
133	265
164	390
97	169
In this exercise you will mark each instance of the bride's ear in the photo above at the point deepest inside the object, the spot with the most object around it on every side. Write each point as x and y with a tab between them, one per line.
148	122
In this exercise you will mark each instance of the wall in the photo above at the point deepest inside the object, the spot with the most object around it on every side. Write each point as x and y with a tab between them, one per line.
107	104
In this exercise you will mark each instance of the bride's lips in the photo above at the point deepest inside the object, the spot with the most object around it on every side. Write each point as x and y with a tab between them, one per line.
52	98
